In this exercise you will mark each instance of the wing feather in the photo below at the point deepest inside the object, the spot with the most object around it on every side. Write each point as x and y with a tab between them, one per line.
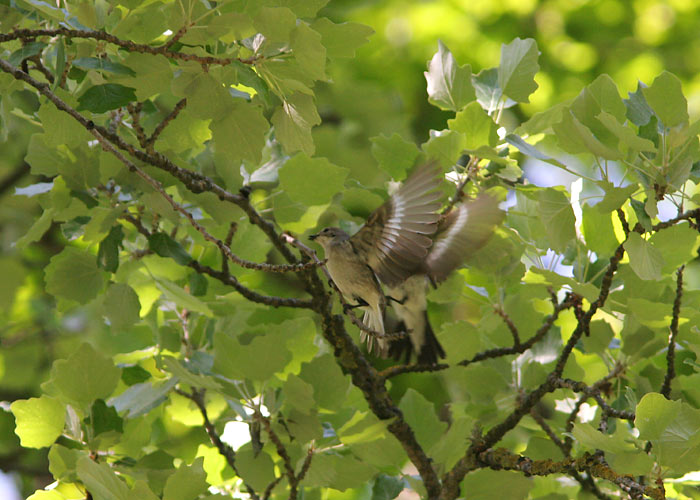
395	240
460	233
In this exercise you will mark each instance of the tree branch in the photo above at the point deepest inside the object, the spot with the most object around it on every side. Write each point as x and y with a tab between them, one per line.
671	352
503	459
197	396
163	50
227	279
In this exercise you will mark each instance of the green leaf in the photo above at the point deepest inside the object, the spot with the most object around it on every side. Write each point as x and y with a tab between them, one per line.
73	274
488	93
614	197
516	73
678	244
445	146
142	398
108	250
394	154
592	438
386	487
59	127
341	40
478	127
238	361
338	472
102	98
599	339
665	96
135	374
598	230
28	50
302	8
101	481
638	110
258	470
153	74
311	181
299	394
275	23
241	132
46	495
642	212
486	484
165	246
189	481
207	97
250	78
186	376
293	122
330	385
586	290
142	491
645	259
449	84
104	418
308	51
85	376
40	156
121	306
420	415
673	429
450	448
103	64
558	218
38	229
460	340
625	134
198	284
39	421
575	137
182	298
62	462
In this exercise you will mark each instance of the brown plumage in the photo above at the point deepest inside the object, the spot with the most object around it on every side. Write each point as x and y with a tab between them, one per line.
403	244
396	238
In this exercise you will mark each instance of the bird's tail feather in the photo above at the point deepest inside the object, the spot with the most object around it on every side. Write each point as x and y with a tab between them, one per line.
374	319
429	352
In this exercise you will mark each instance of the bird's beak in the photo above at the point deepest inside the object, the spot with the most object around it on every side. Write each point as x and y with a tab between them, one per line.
313	236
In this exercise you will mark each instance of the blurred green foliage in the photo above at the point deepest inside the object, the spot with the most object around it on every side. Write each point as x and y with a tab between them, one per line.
382	91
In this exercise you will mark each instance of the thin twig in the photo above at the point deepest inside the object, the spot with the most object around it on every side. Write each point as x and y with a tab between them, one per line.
505	460
282	452
227	279
161	126
673	333
197	397
125	44
509	323
135	112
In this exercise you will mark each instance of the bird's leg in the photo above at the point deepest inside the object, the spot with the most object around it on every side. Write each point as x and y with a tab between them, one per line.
360	303
401	302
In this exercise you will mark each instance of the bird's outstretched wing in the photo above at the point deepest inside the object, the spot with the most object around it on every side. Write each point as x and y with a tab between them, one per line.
396	238
460	233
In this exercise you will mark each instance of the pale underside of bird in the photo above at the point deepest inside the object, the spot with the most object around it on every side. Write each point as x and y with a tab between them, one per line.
405	244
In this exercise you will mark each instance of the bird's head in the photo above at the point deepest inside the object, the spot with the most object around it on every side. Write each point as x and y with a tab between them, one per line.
329	236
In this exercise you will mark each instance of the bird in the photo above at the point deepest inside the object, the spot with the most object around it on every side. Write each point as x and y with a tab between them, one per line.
388	249
404	246
461	232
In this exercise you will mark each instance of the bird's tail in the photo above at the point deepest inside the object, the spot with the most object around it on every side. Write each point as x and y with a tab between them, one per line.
431	349
428	349
374	319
